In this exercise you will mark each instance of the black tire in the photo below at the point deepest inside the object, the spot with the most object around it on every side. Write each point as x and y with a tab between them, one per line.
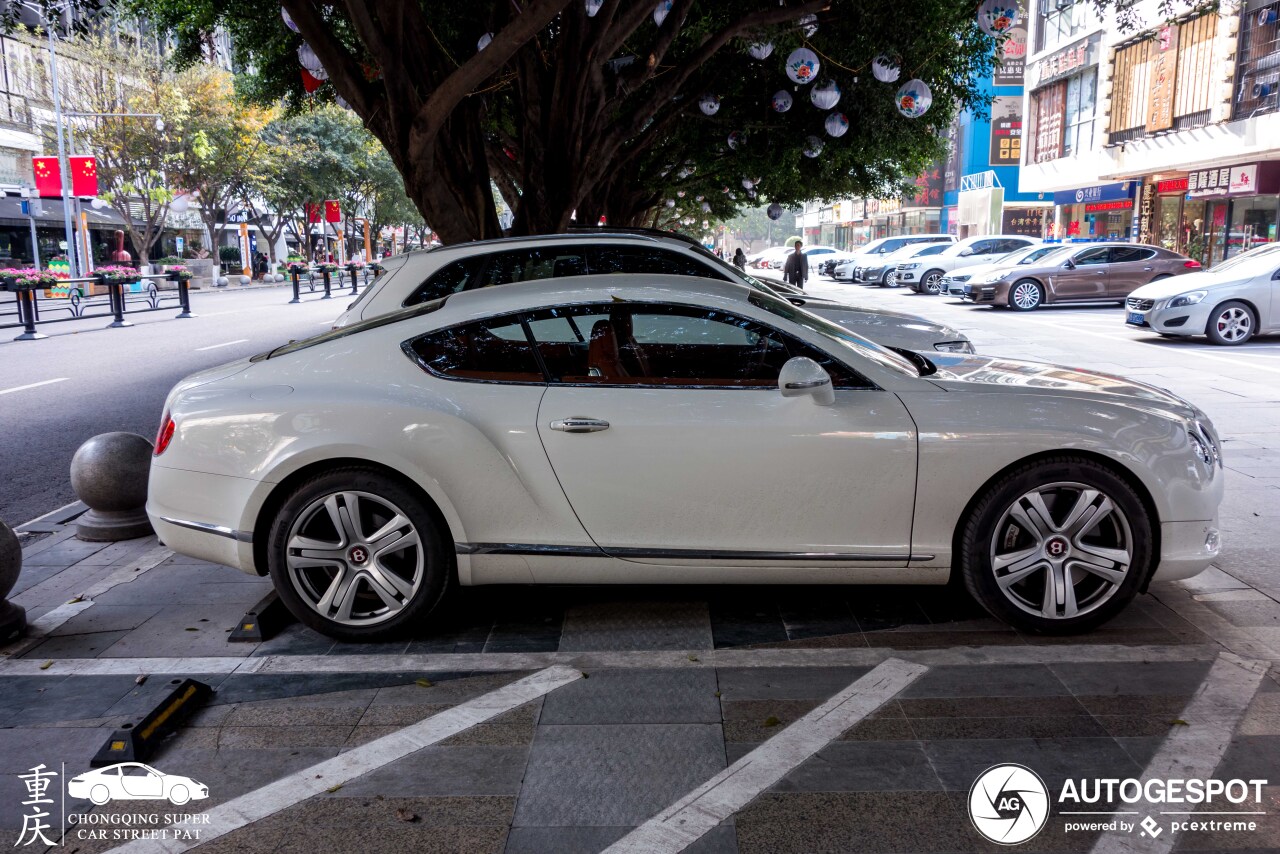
1033	289
980	540
429	571
930	283
1231	324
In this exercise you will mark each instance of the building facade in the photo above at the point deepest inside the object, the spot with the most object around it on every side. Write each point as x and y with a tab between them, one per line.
1165	133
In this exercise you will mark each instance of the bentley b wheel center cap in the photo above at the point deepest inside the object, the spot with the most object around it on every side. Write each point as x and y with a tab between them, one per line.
1057	548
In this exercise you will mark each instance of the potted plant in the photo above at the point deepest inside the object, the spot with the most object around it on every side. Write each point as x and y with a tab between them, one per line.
297	265
27	279
327	267
116	274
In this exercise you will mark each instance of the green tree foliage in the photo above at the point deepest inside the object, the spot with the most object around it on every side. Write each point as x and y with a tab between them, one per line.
565	112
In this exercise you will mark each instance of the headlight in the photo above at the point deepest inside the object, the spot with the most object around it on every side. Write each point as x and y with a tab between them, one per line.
955	278
954	347
1211	441
1200	448
1187	299
909	266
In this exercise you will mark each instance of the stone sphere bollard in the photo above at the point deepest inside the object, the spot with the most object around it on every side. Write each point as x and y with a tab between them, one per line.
109	473
244	280
13	618
223	281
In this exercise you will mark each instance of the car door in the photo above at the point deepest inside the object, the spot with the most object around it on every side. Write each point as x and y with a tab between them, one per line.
673	444
1129	268
139	781
1085	278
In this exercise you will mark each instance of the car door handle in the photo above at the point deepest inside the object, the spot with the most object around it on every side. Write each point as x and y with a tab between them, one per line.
1146	269
579	424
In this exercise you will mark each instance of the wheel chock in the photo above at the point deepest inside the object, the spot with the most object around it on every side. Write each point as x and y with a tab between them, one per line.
262	622
135	742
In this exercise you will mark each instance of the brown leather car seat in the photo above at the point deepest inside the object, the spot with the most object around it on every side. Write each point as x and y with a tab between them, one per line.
603	357
627	340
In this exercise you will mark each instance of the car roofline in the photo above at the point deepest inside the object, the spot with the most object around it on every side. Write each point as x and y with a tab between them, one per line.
535	238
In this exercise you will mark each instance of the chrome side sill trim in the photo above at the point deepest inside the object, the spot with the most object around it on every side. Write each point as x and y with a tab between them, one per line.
205	527
672	554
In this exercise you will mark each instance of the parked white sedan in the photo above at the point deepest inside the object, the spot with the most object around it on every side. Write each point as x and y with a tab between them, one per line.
133	781
668	430
1231	303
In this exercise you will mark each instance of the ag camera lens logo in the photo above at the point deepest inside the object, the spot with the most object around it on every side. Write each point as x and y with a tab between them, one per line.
1008	804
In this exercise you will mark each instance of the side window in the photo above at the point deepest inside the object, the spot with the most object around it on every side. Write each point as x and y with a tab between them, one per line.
891	246
1122	254
667	345
1007	246
449	279
494	350
525	265
1090	257
931	249
647	259
983	247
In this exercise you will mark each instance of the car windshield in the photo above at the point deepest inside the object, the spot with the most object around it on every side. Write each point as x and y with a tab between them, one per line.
827	329
1269	251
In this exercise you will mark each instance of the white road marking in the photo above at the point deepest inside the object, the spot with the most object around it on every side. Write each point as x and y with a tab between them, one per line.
33	385
690	818
226	344
1194	751
382	663
320	778
43	625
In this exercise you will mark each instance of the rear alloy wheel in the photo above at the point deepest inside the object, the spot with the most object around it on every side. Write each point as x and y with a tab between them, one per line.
929	283
890	279
1057	547
1026	295
1231	323
357	556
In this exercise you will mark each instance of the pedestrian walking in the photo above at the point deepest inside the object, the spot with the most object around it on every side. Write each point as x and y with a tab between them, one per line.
796	270
740	259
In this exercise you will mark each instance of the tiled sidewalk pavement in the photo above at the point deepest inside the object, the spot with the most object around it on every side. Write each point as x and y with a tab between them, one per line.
578	769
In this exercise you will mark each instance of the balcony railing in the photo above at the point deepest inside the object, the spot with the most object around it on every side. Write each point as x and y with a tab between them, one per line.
1258	67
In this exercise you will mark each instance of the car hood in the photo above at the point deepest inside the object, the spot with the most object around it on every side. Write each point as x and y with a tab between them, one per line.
996	374
1181	284
892	328
976	270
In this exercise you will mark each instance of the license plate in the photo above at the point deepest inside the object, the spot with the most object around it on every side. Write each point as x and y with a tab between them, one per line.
1135	318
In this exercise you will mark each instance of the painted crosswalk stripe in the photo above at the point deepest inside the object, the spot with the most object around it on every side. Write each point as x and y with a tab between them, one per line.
1194	751
693	816
322	777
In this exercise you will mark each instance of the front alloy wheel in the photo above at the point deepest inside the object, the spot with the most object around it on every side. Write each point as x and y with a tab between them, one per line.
1026	296
930	283
1057	547
891	279
1231	324
357	556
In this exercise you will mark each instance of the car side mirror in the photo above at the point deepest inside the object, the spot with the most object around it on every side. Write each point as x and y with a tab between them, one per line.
1069	264
803	376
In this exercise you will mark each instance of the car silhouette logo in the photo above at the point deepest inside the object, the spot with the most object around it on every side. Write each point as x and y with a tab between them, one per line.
133	781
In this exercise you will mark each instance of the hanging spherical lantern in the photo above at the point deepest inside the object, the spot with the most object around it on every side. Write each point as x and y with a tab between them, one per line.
751	194
709	104
484	42
803	65
997	17
885	69
706	207
661	11
825	95
781	101
736	139
774	211
593	6
288	20
760	50
836	124
747	183
809	24
700	198
812	146
671	203
308	58
914	98
706	224
680	193
320	74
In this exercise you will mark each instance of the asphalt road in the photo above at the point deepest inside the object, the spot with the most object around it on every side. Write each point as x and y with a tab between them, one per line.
86	379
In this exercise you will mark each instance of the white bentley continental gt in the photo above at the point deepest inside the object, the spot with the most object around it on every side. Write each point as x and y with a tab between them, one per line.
667	430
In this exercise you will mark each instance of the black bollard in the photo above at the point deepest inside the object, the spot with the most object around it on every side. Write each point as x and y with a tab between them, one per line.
27	314
116	292
353	280
327	294
295	275
184	294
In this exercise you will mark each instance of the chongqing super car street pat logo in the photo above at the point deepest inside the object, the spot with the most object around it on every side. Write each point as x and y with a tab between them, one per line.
133	781
1008	804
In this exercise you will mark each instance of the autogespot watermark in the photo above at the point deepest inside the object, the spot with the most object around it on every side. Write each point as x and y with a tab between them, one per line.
1009	804
125	781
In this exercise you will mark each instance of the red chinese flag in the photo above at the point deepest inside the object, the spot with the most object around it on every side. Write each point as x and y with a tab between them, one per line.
48	176
332	213
84	176
313	213
310	82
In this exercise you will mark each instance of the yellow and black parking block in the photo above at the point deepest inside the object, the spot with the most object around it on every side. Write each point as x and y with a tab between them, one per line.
136	742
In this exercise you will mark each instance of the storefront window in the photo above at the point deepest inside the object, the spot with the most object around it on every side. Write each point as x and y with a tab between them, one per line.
1060	20
1253	222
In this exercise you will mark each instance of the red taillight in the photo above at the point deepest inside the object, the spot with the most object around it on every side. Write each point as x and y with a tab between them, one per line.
1191	264
164	435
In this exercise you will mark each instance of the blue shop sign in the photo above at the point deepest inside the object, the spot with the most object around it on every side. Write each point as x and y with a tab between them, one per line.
1104	193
